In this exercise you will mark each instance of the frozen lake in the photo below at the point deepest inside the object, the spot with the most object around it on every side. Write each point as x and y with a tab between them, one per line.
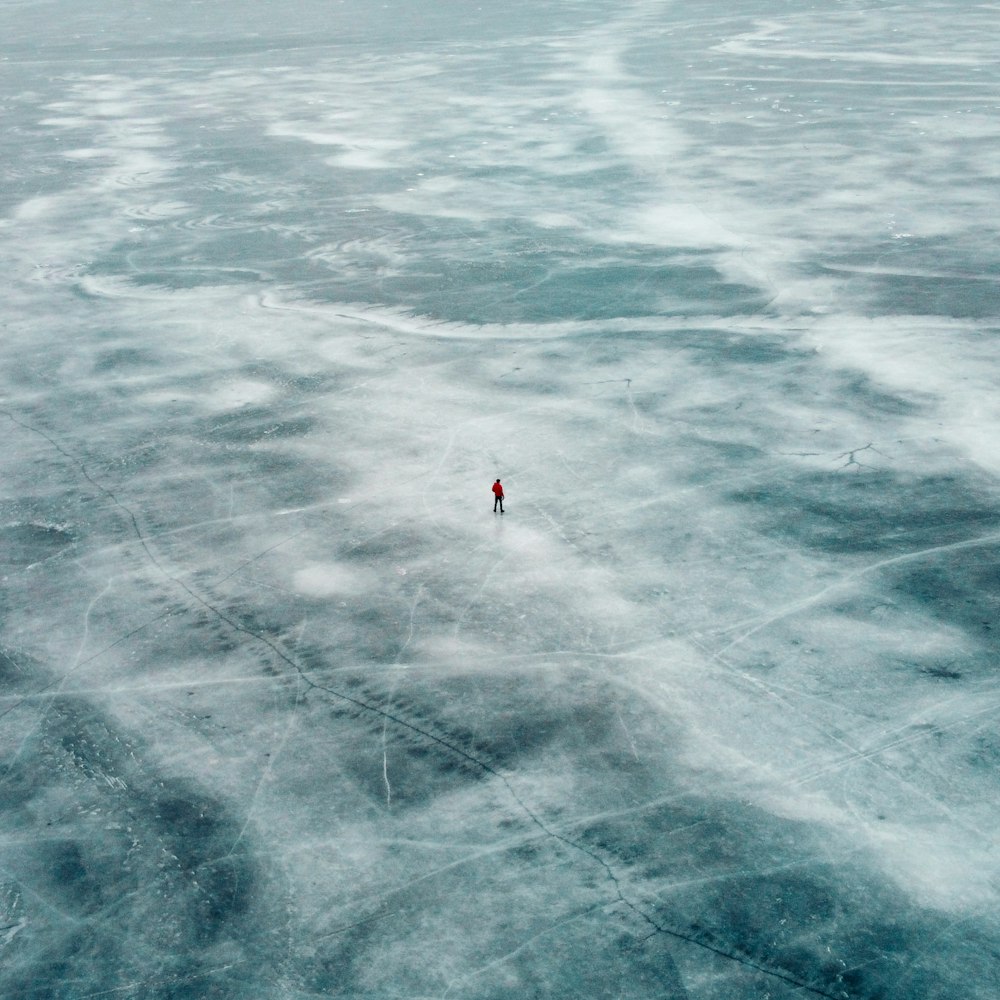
710	713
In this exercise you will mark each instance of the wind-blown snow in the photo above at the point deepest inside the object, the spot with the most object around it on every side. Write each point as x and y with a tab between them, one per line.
709	711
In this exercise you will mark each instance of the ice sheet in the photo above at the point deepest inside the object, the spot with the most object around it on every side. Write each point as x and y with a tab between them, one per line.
710	711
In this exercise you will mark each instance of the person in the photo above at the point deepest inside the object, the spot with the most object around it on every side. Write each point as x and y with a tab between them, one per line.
497	496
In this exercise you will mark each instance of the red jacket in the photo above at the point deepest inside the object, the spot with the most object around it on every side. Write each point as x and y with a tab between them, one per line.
498	489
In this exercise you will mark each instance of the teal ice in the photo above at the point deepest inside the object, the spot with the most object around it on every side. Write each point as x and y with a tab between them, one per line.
711	713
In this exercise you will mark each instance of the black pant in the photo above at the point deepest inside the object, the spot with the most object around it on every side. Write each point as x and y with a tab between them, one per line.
497	499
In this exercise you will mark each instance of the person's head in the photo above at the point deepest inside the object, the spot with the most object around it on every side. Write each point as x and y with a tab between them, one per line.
498	480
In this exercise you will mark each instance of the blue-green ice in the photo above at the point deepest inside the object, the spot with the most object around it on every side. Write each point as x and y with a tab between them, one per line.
711	711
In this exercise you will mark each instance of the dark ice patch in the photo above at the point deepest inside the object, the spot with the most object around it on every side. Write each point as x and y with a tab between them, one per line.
775	902
8	669
123	358
941	672
961	588
250	425
121	870
866	396
737	348
431	738
263	471
180	278
593	292
573	951
206	843
729	452
26	544
936	295
538	277
68	871
875	512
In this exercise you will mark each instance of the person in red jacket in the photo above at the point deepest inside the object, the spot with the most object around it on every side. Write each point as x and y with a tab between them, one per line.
497	496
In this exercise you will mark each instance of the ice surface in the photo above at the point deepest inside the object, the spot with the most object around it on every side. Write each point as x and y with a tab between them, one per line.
711	711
